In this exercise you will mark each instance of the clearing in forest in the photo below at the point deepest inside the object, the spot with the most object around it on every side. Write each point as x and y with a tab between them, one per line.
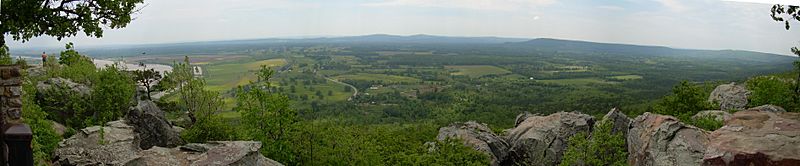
476	70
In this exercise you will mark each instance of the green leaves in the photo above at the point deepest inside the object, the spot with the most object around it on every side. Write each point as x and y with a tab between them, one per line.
686	100
602	147
64	18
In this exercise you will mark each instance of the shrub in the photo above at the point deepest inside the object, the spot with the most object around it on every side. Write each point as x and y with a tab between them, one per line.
602	147
771	90
707	123
45	140
685	101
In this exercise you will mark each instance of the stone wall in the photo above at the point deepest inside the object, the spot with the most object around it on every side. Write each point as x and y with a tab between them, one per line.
10	95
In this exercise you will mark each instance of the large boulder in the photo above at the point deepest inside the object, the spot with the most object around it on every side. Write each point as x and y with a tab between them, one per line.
730	96
659	140
112	144
714	114
43	86
232	153
756	138
479	137
152	127
541	140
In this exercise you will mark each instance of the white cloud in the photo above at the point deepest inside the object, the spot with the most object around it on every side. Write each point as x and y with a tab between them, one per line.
611	7
674	5
466	4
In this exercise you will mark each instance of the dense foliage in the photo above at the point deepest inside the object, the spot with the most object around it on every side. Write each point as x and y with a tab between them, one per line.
108	94
601	147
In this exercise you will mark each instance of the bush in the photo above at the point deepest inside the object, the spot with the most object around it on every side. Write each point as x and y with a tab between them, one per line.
771	90
602	147
707	123
685	101
210	128
45	140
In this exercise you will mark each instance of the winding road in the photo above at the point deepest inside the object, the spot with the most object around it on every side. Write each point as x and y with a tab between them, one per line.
355	90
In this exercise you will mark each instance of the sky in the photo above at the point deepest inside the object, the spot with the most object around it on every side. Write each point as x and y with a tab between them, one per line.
696	24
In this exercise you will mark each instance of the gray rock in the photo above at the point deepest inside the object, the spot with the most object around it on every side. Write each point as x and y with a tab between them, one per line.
45	85
659	140
115	145
756	138
541	140
120	146
152	127
620	120
232	153
716	114
730	96
479	137
768	108
521	117
59	128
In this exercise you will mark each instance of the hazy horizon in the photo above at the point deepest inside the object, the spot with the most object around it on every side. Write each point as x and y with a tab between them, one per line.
703	24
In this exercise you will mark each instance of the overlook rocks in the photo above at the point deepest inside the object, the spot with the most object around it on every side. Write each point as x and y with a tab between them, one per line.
152	127
479	137
756	137
662	140
730	96
119	145
543	139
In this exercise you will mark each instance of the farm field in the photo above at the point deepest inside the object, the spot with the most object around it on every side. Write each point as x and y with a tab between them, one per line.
477	70
225	76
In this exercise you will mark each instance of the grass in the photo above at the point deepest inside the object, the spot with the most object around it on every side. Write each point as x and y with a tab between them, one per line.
577	81
223	77
627	77
378	77
476	70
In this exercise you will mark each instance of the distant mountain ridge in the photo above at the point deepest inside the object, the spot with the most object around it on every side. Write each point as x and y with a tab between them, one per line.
542	44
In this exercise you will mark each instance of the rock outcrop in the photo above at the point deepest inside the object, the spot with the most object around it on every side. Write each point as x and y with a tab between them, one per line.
620	120
756	137
479	137
116	145
43	86
541	140
119	145
231	153
659	140
730	96
768	108
714	114
152	127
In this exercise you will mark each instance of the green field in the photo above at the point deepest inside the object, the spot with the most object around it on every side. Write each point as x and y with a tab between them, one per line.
377	77
223	77
577	81
476	70
627	77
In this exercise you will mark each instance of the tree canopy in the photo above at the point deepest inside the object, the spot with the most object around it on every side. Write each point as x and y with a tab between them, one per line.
26	19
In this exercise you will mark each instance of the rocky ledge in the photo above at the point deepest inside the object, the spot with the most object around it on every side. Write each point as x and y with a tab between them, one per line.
762	135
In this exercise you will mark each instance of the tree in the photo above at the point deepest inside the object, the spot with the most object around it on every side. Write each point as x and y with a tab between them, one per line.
146	79
786	13
268	117
5	57
24	20
198	102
